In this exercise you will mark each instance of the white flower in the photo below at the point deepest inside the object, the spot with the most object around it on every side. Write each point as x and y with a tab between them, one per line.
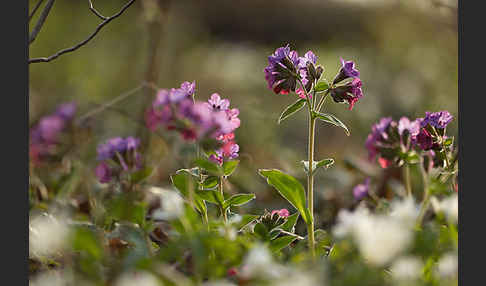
380	238
172	204
142	278
299	278
449	206
447	266
405	210
259	263
407	268
47	235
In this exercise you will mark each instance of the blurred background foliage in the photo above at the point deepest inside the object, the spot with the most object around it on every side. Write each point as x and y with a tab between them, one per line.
406	51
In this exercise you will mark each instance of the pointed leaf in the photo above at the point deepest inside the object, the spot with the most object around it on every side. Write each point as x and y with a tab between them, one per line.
329	118
289	225
261	230
291	189
230	166
326	163
212	196
245	220
291	109
184	182
141	175
321	86
209	166
281	242
238	200
210	183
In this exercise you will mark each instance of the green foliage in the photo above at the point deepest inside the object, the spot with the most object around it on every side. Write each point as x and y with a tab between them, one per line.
326	163
289	188
292	109
329	118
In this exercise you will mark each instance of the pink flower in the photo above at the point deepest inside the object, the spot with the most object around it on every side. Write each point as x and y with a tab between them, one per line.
217	104
282	212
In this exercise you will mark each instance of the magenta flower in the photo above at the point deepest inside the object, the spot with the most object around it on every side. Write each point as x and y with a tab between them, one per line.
360	191
281	72
217	104
228	151
307	70
47	132
349	93
437	119
347	70
424	140
378	133
282	212
103	172
50	127
66	110
121	151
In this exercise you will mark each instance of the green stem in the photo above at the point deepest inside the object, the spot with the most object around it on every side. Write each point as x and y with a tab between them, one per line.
425	200
223	212
310	175
310	184
406	175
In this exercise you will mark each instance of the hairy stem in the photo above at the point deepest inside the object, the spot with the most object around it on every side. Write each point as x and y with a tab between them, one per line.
425	200
406	176
310	183
310	175
223	212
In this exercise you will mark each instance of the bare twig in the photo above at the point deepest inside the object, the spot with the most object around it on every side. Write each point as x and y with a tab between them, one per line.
95	11
41	21
35	9
75	47
109	103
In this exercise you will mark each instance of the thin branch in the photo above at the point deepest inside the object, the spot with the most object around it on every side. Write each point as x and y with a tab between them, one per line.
110	103
35	9
41	21
95	11
73	48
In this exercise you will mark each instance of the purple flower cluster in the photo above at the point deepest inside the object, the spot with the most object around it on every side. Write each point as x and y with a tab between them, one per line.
285	68
350	92
117	155
47	132
176	110
229	149
391	141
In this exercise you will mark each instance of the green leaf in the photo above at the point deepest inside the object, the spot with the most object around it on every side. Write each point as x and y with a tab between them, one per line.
238	200
200	205
230	166
141	175
261	230
183	182
281	242
210	183
212	196
321	86
289	188
326	163
449	141
291	109
209	166
329	118
289	225
245	220
85	240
